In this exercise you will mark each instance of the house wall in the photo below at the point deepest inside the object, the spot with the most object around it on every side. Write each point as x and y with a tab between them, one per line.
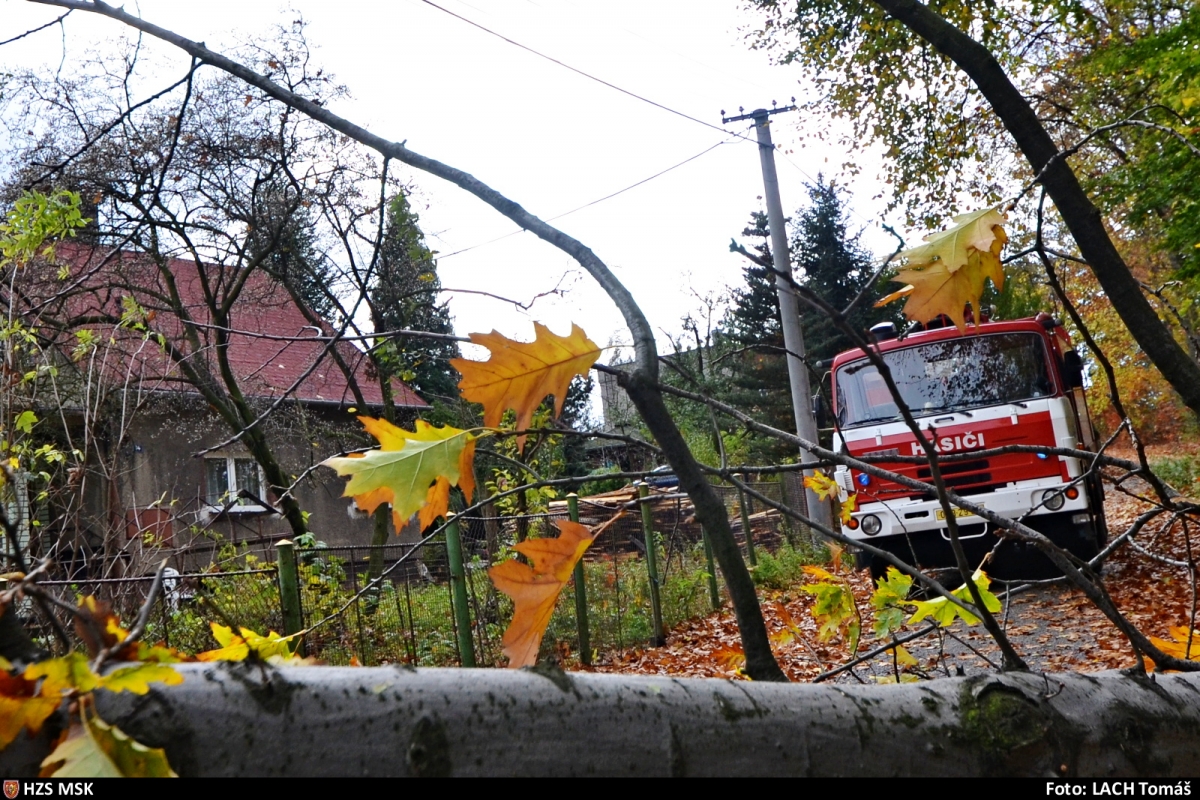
163	484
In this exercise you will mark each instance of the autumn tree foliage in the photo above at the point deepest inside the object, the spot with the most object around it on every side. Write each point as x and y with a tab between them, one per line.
891	68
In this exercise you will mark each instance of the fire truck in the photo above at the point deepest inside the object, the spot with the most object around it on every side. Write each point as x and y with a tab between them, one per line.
1000	383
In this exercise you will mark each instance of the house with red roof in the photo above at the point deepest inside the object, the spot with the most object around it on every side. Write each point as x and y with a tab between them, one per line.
157	357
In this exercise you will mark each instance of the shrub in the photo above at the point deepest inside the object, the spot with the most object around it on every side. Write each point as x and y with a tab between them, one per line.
1181	472
786	566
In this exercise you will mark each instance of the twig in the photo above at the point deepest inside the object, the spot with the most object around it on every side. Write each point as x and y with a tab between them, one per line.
883	648
139	627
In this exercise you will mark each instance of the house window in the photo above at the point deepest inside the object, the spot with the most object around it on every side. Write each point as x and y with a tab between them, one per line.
226	476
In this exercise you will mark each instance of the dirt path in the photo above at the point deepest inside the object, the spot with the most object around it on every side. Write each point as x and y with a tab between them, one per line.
1055	628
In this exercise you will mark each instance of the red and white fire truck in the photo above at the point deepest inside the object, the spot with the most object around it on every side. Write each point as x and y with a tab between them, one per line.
1015	382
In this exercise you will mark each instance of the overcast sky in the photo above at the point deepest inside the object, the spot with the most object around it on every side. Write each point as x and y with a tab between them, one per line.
545	136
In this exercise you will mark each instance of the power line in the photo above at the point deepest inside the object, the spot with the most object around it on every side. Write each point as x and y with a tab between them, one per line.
813	181
594	202
577	71
634	95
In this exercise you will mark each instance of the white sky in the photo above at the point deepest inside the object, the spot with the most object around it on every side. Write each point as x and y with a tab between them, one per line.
546	137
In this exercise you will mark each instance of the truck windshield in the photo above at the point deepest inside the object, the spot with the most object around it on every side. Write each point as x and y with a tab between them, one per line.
956	374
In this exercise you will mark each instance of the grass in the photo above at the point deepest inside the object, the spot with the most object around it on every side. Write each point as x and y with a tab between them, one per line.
413	622
1181	472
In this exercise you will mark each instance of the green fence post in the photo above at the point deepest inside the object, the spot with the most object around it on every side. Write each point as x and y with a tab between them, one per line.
289	587
581	604
458	585
788	532
714	591
660	637
743	503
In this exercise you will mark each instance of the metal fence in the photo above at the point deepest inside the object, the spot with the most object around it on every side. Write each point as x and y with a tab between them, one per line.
407	618
410	616
182	611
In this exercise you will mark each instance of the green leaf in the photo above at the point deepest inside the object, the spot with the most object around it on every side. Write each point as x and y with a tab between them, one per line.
888	621
890	593
835	610
944	612
891	589
412	470
25	421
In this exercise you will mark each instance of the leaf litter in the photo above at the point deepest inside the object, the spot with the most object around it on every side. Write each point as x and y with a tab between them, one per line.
1054	627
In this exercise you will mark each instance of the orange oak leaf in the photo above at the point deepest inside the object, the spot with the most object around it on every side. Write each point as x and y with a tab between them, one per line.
519	375
1186	645
22	706
534	589
412	470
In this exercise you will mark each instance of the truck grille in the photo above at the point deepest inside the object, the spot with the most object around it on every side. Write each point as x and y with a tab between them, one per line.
962	476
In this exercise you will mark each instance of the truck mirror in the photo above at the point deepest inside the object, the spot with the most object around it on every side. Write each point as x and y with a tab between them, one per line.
820	411
1072	369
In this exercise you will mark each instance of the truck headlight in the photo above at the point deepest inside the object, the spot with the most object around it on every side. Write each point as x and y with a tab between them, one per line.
871	524
1053	500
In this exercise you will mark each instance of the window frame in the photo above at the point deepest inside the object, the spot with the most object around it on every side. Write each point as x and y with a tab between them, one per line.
239	505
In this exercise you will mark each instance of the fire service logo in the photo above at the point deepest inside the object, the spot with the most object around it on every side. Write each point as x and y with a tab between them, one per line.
11	789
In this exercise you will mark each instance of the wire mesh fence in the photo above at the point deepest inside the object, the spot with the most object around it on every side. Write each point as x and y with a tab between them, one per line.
409	617
182	611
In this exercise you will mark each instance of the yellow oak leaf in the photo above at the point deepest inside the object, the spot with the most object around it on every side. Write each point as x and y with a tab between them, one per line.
137	678
902	657
238	646
824	486
849	506
519	375
818	573
95	749
233	647
948	272
534	589
412	470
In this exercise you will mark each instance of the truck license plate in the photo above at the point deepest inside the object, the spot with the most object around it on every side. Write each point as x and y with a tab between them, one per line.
958	512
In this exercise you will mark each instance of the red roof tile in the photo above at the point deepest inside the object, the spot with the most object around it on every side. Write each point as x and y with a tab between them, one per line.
265	367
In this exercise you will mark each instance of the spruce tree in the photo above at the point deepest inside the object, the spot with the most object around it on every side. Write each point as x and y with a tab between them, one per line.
827	258
405	297
751	330
281	233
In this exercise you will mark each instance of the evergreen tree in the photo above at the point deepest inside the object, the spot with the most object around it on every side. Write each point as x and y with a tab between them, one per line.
828	259
281	232
405	297
752	331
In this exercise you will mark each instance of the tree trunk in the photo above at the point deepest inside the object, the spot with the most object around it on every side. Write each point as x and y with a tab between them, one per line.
243	720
